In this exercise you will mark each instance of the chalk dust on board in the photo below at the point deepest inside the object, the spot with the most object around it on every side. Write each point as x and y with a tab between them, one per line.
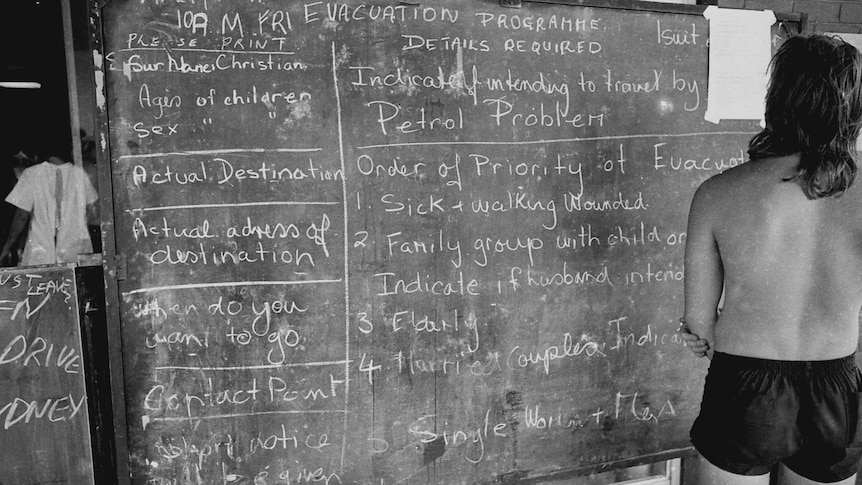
330	24
298	112
341	57
407	89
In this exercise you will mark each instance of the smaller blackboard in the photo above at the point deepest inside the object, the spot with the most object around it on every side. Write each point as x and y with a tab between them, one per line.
44	425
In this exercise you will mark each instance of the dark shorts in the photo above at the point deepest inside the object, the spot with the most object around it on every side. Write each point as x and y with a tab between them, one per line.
757	412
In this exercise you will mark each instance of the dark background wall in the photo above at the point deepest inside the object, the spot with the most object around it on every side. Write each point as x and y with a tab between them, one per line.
33	34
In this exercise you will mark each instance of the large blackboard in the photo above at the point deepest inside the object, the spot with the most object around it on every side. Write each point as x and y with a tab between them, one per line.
389	242
44	425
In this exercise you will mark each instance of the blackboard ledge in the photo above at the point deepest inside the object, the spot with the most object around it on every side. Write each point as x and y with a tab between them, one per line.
603	467
84	260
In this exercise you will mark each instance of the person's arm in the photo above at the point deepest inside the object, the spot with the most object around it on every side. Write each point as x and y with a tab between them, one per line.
91	196
92	212
19	224
704	274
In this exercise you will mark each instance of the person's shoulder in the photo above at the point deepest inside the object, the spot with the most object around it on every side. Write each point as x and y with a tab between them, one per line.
738	174
720	182
34	169
850	199
32	174
737	180
70	168
719	193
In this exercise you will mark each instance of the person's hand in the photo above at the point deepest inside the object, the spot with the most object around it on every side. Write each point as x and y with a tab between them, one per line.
698	346
6	257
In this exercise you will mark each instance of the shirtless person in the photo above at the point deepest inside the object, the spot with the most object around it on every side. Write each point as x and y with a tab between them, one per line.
781	237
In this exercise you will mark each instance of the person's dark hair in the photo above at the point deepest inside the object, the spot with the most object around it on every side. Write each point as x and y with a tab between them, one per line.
814	107
54	147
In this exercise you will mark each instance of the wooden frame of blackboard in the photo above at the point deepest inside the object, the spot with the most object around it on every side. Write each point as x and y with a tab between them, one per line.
644	6
91	296
604	467
109	263
114	266
640	5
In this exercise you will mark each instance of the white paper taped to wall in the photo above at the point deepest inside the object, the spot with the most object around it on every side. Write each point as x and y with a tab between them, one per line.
739	53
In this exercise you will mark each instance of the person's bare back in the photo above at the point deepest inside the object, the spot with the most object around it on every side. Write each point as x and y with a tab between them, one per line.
792	266
780	238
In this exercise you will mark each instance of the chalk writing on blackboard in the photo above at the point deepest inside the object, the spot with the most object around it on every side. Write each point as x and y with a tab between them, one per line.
44	427
365	240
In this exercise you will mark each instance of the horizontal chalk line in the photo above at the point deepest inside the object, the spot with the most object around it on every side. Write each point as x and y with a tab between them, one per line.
220	152
560	140
212	51
223	284
241	204
245	415
252	367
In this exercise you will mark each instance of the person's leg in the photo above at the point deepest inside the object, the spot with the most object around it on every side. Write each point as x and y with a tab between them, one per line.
709	474
786	476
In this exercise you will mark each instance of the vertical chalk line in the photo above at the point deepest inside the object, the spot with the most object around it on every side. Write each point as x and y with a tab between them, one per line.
346	249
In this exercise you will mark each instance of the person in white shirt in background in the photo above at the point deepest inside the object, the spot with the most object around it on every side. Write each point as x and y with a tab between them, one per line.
52	200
